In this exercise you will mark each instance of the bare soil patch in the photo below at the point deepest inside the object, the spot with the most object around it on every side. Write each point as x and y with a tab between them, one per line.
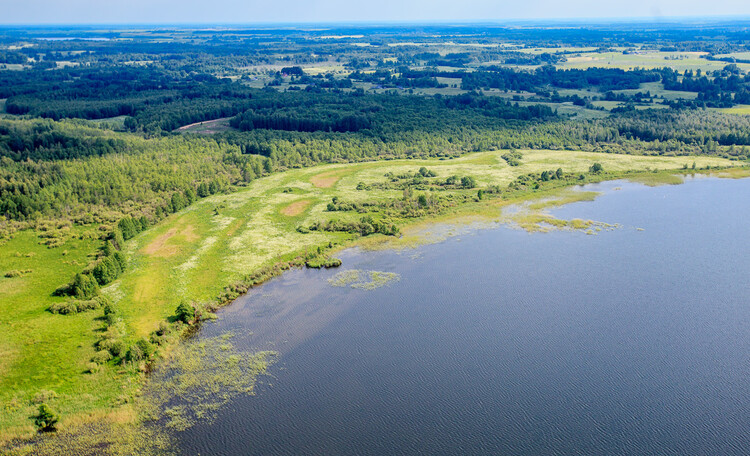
296	208
325	180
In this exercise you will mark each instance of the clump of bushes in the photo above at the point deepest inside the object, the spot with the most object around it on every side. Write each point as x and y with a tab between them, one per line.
323	262
513	157
109	268
77	306
364	227
85	285
139	351
17	273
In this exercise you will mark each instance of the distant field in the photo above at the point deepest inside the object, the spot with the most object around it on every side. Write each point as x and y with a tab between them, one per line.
580	92
657	88
568	108
450	81
736	55
608	105
739	109
208	127
679	61
12	66
553	50
115	123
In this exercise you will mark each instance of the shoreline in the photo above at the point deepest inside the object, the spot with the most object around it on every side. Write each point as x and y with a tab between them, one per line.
487	210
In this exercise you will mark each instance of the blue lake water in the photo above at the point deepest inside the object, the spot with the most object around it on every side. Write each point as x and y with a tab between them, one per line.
635	341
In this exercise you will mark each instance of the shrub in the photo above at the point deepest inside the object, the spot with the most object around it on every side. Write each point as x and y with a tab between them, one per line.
84	286
110	314
134	354
101	357
120	259
146	347
63	308
109	249
118	238
72	307
141	350
127	227
46	419
16	273
185	312
115	347
468	182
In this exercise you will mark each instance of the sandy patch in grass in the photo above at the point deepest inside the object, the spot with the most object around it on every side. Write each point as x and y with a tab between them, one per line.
296	208
325	180
158	247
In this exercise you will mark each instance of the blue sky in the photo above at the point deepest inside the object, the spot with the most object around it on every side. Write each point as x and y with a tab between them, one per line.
259	11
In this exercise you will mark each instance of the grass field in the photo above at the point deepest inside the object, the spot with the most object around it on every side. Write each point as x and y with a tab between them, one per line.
679	61
657	88
736	55
739	109
192	256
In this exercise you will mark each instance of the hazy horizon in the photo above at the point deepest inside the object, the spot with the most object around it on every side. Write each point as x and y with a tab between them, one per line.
237	12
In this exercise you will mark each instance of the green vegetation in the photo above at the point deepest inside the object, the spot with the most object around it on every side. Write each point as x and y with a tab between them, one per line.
147	181
45	420
363	280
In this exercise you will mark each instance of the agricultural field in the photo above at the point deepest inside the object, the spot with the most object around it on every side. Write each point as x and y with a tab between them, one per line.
679	61
743	110
656	89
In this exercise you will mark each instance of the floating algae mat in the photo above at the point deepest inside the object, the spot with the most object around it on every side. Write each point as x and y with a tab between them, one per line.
364	280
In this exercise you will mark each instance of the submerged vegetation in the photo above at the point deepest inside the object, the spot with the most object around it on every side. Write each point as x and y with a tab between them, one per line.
364	280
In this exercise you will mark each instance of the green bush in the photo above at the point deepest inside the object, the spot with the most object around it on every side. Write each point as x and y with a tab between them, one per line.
468	182
76	306
139	351
101	357
46	419
17	273
115	347
134	354
120	259
84	286
185	312
63	308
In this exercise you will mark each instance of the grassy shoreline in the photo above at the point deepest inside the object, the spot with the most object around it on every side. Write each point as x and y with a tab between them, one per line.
219	248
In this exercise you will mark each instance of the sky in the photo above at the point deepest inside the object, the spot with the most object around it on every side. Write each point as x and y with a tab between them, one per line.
311	11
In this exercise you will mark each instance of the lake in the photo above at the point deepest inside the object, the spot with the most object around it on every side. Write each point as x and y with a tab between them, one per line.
633	341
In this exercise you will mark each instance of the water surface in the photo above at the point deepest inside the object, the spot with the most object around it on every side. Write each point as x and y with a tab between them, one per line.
630	342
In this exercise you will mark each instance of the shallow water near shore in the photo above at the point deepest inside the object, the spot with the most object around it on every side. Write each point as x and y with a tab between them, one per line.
497	341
